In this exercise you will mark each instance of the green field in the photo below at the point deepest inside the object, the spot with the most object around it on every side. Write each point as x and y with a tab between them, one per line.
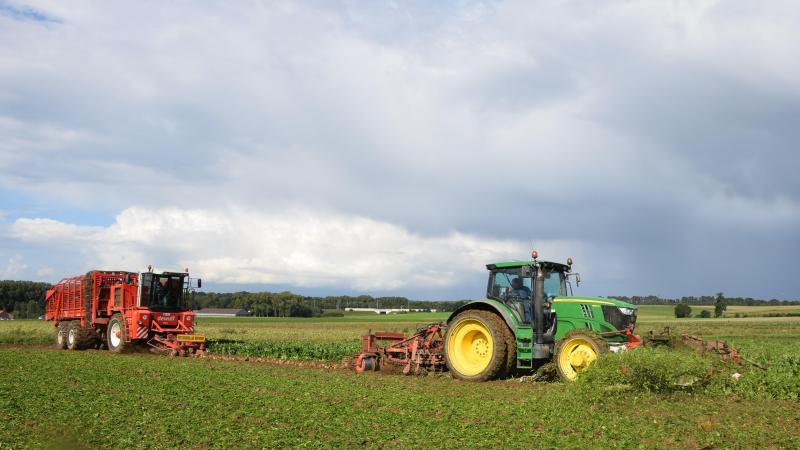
94	399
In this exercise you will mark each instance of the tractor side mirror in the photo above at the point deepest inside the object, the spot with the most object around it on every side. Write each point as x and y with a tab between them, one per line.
199	283
577	278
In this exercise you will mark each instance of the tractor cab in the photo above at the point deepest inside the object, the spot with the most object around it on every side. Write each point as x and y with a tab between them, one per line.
512	283
163	292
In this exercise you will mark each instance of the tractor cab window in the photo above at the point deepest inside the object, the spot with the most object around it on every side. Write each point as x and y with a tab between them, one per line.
507	283
555	284
162	292
511	288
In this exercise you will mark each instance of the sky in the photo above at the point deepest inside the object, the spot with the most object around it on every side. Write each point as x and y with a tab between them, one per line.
396	148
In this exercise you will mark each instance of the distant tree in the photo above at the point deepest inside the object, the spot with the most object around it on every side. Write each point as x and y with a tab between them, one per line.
705	314
720	304
682	310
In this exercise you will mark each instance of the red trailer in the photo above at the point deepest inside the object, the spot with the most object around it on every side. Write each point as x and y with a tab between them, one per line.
117	310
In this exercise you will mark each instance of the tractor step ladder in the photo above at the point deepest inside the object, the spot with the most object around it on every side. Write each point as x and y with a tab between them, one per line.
524	347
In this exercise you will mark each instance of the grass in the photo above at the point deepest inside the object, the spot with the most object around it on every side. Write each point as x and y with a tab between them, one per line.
93	399
96	399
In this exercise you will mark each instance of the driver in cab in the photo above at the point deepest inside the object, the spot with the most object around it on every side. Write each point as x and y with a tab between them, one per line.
519	289
519	295
163	292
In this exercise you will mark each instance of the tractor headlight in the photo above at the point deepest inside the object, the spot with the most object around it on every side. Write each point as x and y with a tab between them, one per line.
144	317
627	311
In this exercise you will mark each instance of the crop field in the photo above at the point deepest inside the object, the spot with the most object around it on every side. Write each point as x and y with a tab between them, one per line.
93	399
657	312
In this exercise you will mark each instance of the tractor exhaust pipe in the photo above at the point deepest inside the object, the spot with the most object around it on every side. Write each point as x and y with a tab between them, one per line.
540	350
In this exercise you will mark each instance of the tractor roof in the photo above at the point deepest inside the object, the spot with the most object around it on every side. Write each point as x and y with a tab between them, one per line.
511	264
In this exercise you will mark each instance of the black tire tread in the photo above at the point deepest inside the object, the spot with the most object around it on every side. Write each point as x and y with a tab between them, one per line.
62	328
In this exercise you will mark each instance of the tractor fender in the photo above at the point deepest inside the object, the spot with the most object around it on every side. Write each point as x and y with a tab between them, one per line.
491	306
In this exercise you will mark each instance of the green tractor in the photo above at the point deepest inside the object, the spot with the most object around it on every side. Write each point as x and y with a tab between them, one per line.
527	318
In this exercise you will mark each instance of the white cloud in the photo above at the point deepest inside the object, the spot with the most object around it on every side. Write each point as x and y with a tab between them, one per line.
293	247
15	268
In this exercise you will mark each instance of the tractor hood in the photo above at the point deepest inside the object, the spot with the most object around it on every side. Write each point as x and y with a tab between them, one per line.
595	300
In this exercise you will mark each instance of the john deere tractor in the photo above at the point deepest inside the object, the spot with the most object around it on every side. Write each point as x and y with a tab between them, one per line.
528	317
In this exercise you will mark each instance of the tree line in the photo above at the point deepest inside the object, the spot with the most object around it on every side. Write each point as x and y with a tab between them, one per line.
701	300
25	300
287	304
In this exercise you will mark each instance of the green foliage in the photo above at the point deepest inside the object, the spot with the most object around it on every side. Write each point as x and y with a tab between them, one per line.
27	332
683	310
720	305
91	399
24	299
649	370
287	304
668	371
308	350
705	314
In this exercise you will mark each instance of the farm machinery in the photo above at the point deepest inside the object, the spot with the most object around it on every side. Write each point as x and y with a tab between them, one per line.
118	310
528	318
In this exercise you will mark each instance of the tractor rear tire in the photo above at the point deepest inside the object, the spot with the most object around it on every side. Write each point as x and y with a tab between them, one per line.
61	335
576	351
511	354
116	334
476	346
74	333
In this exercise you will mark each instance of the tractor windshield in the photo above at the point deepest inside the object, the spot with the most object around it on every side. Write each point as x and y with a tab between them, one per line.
162	292
509	286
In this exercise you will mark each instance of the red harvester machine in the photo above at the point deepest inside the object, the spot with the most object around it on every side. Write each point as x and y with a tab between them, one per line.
117	310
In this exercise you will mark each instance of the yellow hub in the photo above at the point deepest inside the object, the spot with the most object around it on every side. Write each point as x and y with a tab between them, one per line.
575	356
470	347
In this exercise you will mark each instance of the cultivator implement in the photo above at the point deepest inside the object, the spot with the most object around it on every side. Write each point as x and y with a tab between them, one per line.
421	352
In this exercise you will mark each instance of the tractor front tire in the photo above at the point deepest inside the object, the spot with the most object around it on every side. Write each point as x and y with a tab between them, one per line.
74	334
61	335
476	346
576	351
116	334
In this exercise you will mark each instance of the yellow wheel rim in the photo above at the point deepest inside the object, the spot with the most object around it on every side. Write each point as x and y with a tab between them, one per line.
470	347
575	356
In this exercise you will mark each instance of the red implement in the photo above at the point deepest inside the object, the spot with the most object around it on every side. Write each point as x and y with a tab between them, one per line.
420	352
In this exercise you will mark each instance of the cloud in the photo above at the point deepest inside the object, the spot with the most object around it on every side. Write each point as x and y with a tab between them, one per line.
297	248
25	13
653	137
16	267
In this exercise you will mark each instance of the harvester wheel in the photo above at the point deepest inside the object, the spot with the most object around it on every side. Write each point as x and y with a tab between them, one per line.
74	330
576	351
115	335
476	346
61	335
